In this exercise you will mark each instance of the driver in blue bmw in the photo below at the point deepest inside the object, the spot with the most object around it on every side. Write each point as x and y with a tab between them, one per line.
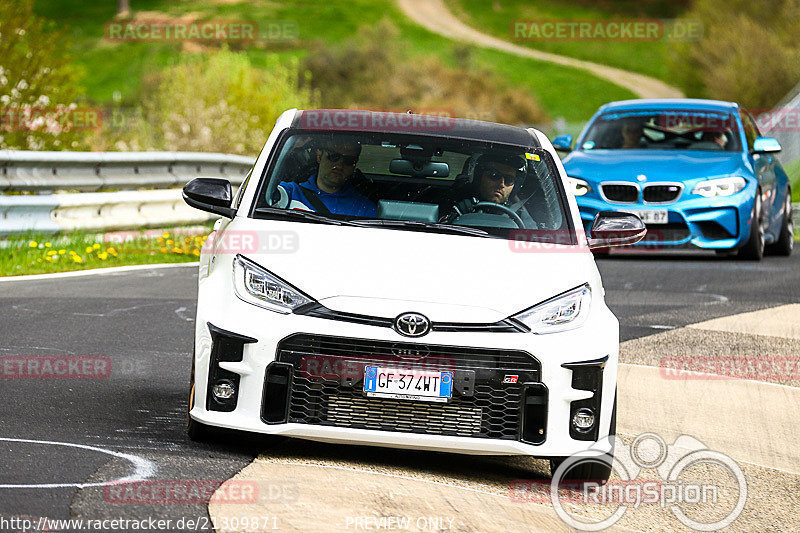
331	190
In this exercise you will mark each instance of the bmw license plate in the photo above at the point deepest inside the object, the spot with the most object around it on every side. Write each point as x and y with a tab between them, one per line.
652	216
402	384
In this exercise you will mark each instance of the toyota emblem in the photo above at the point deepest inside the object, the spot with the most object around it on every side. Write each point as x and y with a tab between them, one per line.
412	324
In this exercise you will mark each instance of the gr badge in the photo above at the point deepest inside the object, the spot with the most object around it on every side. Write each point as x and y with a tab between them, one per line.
510	378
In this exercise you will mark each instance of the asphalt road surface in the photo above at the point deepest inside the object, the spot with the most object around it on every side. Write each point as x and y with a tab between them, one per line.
131	420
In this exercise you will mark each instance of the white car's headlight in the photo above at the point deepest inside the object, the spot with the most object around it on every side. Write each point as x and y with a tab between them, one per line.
577	186
720	186
561	313
256	285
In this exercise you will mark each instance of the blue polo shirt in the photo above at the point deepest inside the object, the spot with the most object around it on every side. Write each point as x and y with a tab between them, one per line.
345	201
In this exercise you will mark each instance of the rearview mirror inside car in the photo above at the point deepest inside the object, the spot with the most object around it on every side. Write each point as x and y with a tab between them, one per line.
419	169
210	194
614	228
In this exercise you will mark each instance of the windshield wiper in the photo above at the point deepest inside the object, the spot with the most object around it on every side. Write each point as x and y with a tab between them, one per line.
425	226
271	212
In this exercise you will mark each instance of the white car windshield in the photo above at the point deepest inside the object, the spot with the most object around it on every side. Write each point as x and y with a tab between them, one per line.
414	182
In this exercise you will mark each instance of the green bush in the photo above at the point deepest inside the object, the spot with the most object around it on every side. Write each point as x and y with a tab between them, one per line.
38	85
374	71
749	51
220	103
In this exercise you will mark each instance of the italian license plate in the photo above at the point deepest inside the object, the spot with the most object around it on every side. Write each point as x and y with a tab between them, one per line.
653	216
402	384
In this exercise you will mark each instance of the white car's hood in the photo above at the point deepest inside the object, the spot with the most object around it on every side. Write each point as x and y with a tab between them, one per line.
449	278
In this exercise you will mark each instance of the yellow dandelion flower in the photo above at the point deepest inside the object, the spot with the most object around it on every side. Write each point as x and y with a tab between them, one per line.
165	234
196	252
77	259
33	244
177	250
51	252
111	250
96	246
164	250
170	242
89	249
39	260
62	251
48	258
48	244
160	240
102	255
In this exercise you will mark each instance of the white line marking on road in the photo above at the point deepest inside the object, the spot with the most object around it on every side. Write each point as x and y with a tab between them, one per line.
143	468
96	271
659	326
180	312
115	311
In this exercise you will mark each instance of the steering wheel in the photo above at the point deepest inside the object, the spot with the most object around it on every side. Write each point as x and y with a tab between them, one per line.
491	206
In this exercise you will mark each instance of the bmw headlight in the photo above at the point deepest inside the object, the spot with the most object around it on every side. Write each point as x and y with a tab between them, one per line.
577	186
560	313
720	186
256	285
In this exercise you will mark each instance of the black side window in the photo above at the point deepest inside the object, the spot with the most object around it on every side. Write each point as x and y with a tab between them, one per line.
240	192
750	129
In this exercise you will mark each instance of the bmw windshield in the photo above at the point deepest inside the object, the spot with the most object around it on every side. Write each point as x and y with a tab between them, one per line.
671	130
415	183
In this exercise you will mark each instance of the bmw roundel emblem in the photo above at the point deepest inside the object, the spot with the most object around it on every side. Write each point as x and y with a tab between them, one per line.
412	324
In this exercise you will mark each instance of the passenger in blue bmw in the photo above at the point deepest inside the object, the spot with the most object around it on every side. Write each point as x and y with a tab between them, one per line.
330	190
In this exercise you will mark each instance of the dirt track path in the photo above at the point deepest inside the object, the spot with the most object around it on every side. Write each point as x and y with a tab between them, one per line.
434	16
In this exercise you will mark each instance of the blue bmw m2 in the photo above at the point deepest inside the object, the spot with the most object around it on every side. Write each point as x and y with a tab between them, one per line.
697	172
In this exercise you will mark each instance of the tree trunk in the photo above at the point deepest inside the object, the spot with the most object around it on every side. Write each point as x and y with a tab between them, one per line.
123	8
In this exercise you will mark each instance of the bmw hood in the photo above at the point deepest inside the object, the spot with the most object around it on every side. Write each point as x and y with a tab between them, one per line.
385	272
656	165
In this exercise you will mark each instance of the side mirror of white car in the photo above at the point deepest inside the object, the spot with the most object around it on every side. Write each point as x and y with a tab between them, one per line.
210	194
613	228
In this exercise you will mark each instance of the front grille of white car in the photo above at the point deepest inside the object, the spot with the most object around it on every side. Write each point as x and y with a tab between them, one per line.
482	405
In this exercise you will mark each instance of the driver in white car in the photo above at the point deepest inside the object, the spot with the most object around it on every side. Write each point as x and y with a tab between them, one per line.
496	177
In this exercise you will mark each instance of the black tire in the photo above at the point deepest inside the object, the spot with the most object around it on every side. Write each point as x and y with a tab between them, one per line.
753	249
783	246
601	252
596	469
197	431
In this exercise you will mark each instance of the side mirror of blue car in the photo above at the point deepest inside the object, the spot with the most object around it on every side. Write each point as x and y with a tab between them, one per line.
763	145
563	143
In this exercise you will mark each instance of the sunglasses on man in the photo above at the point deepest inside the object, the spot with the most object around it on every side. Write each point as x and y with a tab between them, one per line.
496	175
348	160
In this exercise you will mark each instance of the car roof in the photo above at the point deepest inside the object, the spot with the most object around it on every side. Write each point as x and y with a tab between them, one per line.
671	103
356	120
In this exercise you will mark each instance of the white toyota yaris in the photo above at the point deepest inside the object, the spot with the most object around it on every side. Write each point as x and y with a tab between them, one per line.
406	281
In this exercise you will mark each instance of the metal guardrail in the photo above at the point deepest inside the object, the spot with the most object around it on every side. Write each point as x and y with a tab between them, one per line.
97	171
162	174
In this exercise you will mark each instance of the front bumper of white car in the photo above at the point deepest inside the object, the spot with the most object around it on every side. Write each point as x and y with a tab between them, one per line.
514	393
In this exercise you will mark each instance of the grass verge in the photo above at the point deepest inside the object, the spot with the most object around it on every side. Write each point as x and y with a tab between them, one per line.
793	171
645	57
118	68
41	254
